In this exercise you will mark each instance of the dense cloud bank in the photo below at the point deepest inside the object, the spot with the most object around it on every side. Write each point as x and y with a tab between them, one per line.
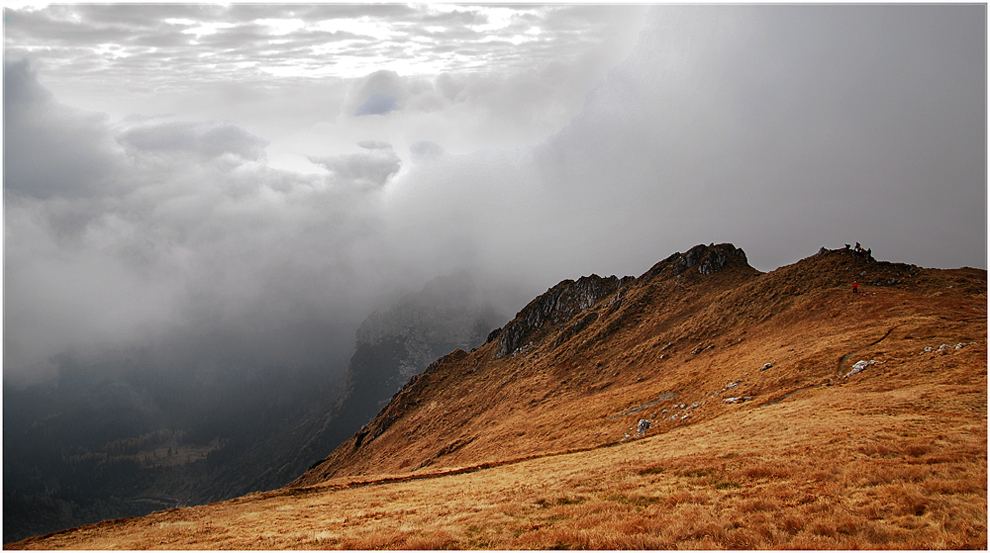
779	128
124	231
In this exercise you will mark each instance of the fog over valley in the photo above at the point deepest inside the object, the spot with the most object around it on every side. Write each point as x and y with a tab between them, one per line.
203	204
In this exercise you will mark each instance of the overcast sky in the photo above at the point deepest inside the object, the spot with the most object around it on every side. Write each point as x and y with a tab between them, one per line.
263	166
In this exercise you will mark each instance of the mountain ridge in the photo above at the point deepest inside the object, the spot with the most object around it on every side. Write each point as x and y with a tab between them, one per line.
685	301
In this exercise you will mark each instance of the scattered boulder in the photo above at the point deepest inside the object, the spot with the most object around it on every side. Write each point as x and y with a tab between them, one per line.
737	399
767	366
859	367
642	427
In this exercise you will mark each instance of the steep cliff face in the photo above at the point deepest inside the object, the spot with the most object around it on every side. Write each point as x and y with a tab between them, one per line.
397	343
597	361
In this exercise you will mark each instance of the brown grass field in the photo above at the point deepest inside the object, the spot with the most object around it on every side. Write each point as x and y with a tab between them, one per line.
539	449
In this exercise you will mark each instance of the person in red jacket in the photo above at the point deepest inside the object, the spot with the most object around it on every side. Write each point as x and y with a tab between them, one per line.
855	287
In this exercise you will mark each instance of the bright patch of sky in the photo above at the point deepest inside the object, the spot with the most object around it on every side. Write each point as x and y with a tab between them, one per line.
282	26
363	26
209	61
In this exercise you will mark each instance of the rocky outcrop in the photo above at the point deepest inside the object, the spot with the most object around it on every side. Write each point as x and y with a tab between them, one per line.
570	298
702	259
557	305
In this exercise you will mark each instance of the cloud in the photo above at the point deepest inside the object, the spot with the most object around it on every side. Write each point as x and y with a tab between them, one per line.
51	149
789	126
781	129
372	168
211	139
425	150
184	226
378	104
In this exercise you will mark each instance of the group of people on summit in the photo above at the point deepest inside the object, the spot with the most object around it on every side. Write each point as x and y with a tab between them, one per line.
859	249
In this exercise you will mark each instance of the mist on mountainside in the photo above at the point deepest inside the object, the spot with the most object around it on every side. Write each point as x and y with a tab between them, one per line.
115	437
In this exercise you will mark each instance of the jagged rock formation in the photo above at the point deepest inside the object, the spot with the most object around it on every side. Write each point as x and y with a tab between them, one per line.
558	305
568	299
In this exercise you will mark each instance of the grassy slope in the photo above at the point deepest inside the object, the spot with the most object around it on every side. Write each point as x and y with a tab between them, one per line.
894	456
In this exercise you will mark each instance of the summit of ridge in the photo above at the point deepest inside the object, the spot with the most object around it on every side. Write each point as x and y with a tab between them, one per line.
569	299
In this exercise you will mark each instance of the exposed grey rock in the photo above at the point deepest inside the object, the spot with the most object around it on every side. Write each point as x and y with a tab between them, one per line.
708	260
643	426
558	304
767	366
859	366
888	282
737	399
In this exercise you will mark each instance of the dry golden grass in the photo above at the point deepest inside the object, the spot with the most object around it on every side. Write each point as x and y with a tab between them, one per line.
531	451
794	475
